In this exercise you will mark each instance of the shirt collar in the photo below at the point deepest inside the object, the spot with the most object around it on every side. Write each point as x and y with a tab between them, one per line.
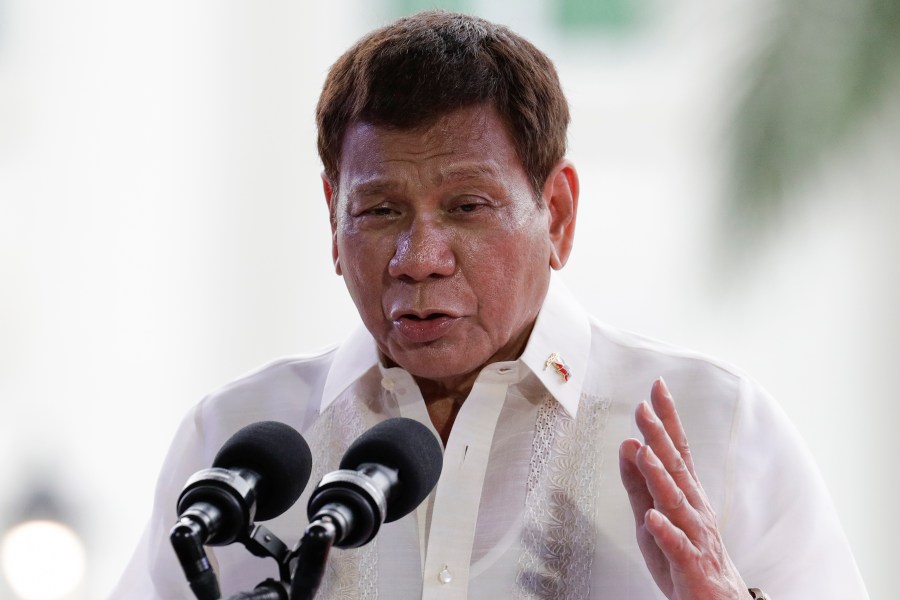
562	327
352	360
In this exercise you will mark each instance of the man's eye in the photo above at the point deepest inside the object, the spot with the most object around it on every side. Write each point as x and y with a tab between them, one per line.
380	211
467	207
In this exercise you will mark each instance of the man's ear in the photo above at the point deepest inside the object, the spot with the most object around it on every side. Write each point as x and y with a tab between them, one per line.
561	198
331	201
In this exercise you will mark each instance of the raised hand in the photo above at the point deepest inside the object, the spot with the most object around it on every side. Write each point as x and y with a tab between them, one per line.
676	525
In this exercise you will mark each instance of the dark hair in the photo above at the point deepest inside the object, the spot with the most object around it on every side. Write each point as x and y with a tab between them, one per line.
413	71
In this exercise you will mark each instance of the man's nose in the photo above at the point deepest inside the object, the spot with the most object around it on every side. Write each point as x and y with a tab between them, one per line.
423	251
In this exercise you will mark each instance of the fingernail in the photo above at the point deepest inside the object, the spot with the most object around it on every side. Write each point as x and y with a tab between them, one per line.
651	456
664	388
648	412
654	517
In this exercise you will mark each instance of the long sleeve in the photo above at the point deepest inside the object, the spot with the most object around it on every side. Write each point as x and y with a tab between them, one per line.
154	572
780	526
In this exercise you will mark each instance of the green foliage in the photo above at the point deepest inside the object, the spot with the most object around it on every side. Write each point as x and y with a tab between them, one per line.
593	15
827	65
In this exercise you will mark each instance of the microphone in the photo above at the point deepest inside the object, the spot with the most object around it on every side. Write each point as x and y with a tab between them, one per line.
386	473
257	474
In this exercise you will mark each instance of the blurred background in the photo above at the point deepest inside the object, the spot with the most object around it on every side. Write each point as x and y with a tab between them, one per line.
162	229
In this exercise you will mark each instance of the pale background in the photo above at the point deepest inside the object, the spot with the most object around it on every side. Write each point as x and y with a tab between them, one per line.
162	231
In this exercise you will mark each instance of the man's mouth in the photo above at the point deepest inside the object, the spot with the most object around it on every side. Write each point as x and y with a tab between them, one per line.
428	317
424	327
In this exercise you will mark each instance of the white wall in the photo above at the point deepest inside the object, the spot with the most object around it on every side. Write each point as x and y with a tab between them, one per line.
162	232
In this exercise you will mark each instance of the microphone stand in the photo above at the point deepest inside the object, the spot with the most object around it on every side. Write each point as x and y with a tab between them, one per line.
310	555
186	538
263	543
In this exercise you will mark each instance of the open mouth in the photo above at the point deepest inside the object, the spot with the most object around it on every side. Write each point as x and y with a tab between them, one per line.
424	328
430	317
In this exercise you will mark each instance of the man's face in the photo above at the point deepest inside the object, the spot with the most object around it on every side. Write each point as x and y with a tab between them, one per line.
441	243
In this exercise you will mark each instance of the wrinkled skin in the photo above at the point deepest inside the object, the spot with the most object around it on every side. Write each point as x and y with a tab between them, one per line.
441	242
447	253
676	525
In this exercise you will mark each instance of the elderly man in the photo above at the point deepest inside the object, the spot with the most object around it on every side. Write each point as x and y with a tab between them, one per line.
451	202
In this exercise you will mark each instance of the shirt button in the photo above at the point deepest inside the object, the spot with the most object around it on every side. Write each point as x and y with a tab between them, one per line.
387	383
445	576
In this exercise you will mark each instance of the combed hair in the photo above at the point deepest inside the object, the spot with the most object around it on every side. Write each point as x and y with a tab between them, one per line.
410	73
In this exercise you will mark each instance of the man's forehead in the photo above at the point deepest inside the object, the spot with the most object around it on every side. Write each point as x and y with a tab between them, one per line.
470	143
469	122
374	182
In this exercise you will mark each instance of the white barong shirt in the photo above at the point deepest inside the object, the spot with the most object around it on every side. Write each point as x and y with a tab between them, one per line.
529	503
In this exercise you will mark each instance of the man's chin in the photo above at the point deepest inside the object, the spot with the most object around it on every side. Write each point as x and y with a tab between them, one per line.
439	364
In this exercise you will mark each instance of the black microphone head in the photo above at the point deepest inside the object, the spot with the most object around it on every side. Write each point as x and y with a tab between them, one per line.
279	455
408	446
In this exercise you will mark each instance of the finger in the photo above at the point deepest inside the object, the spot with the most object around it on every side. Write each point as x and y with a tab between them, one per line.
669	498
664	407
641	501
638	495
696	572
672	541
657	437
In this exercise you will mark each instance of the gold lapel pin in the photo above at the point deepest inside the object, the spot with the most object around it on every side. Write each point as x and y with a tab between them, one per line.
559	365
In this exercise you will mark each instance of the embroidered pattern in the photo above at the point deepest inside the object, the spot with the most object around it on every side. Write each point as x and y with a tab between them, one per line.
558	537
349	574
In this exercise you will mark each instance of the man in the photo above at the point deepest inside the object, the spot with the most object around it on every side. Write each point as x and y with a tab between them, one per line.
451	201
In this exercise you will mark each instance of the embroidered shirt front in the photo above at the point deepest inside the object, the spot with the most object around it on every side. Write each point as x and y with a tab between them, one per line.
529	503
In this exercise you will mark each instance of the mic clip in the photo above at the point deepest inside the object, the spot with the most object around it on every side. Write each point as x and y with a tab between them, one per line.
355	501
186	538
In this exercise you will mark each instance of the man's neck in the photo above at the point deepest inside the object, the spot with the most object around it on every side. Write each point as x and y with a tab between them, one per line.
444	401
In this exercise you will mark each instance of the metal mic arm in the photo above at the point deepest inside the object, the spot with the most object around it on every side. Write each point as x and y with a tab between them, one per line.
310	555
263	543
186	538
